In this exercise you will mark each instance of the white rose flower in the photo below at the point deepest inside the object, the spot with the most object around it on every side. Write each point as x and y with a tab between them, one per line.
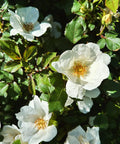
83	96
24	21
79	136
34	122
11	134
85	64
56	26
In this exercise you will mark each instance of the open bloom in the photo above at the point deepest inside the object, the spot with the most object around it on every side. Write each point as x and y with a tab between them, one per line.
11	134
55	26
85	64
84	97
79	136
25	22
34	122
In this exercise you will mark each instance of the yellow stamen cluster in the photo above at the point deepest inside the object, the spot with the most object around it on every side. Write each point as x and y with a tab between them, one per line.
79	69
40	123
28	27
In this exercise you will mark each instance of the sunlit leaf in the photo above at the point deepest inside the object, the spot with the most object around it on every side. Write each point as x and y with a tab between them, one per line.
12	66
3	88
10	48
43	84
75	29
16	142
29	53
112	42
47	58
112	4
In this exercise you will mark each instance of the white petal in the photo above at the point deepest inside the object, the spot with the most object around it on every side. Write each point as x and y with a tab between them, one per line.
28	129
56	29
85	105
14	32
41	107
106	58
69	101
86	52
95	47
71	140
65	61
27	114
36	30
43	28
93	93
91	120
77	132
15	21
74	90
28	14
97	73
94	131
9	133
44	135
49	18
27	36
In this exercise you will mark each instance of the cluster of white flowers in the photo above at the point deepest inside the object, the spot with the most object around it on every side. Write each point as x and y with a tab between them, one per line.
25	22
86	67
33	122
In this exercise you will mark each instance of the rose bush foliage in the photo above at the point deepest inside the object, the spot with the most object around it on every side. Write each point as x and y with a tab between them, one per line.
59	71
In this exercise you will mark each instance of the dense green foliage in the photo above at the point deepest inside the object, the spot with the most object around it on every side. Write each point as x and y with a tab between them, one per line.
26	70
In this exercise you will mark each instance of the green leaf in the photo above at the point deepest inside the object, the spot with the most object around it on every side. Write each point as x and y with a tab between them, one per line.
29	53
45	97
101	43
76	6
57	100
6	76
16	88
101	121
10	48
3	88
4	6
112	4
43	84
91	27
16	142
75	30
112	42
12	66
39	60
47	58
57	81
31	86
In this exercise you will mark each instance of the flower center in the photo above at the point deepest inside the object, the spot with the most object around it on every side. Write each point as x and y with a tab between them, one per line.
28	27
40	123
79	69
82	140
